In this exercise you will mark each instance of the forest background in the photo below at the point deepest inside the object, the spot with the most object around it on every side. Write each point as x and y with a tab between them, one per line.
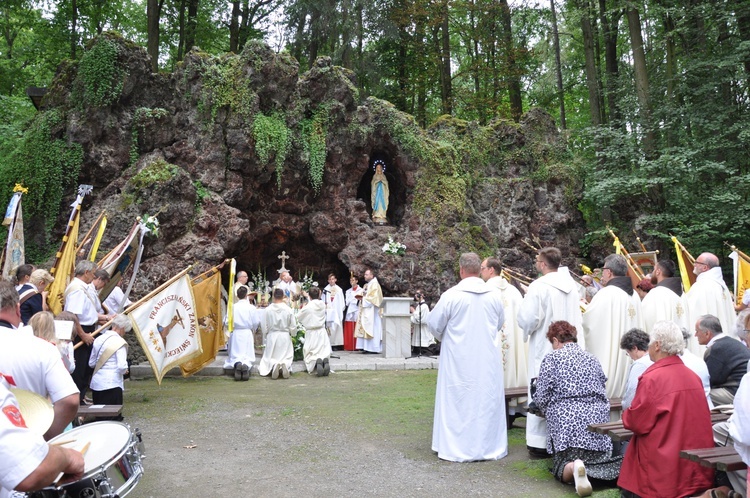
651	97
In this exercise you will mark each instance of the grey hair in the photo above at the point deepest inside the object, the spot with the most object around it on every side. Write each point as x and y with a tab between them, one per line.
669	337
470	262
8	295
710	324
122	322
616	264
83	266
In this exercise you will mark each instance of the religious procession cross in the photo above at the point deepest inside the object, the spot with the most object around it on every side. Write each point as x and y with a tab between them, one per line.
283	259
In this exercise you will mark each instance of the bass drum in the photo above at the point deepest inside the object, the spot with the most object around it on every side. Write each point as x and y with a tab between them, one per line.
112	461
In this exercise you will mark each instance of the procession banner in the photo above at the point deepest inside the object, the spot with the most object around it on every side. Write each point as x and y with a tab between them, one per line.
65	260
646	261
166	325
89	245
119	260
741	276
14	249
207	292
685	263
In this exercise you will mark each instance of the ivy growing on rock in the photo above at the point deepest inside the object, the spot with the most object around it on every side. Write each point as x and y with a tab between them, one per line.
47	166
272	136
100	75
143	117
313	133
225	85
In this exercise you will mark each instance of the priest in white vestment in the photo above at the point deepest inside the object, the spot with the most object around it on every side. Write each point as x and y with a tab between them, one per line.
421	337
665	301
288	285
369	329
335	302
514	349
279	325
549	298
709	295
241	282
241	344
317	347
469	422
613	311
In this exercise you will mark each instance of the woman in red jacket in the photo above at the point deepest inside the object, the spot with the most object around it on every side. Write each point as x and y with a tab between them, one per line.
669	413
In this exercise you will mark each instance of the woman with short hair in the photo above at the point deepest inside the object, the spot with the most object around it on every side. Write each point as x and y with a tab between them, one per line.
570	393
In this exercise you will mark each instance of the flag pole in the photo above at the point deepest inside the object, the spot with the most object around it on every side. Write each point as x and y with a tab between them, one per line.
643	248
88	234
142	300
739	253
636	269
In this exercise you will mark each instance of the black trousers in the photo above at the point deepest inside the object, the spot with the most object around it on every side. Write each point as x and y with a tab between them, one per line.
83	372
108	397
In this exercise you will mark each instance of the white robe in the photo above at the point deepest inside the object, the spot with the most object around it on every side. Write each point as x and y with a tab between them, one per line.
278	327
335	302
661	303
352	304
420	333
515	350
709	296
369	318
317	344
550	298
469	422
241	345
610	314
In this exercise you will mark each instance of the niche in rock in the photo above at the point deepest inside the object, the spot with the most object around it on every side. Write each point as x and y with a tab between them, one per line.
305	257
396	187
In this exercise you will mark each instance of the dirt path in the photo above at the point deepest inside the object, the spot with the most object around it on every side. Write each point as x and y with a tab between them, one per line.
351	434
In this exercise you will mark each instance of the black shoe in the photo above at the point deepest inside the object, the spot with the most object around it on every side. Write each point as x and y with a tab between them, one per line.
537	452
238	371
326	367
319	367
245	372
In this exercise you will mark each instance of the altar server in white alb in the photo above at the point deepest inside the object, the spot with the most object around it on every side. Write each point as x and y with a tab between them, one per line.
278	326
665	301
317	348
550	298
469	422
709	295
612	312
241	345
335	302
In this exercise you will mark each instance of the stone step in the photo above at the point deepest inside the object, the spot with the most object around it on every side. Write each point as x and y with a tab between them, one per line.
340	361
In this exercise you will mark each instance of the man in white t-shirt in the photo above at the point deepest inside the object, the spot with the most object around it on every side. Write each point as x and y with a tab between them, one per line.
35	364
27	462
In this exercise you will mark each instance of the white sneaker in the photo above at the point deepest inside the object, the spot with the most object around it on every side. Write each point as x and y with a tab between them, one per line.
583	486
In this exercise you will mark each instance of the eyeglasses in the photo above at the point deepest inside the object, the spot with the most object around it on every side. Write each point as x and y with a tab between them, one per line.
605	268
482	267
700	263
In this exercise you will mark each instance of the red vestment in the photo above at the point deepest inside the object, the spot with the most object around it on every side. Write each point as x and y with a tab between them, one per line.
669	413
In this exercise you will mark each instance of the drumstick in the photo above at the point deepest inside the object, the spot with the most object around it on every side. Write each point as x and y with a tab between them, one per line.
60	443
82	451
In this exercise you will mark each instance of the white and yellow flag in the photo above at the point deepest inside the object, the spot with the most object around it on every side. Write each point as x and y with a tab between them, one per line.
166	325
14	250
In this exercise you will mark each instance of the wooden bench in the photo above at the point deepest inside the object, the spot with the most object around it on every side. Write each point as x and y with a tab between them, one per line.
615	404
618	433
87	413
724	458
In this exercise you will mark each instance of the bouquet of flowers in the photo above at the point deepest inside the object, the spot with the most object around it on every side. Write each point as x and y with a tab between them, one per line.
258	282
393	247
307	281
151	223
298	341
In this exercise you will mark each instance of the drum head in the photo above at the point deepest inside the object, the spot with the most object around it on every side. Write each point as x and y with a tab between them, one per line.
106	442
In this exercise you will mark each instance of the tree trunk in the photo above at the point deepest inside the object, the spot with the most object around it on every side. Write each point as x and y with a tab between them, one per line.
192	24
346	36
610	28
421	73
591	76
181	27
446	90
153	11
558	65
641	79
234	27
513	73
743	26
73	28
